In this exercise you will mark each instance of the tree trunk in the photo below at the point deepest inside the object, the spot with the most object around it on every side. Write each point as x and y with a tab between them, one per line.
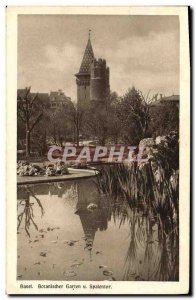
77	134
54	133
77	129
74	135
44	146
28	141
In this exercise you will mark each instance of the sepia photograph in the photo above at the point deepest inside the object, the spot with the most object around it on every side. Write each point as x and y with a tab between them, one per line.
98	133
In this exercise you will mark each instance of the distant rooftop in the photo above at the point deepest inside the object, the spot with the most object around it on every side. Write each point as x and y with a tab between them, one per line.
22	92
168	99
171	98
58	96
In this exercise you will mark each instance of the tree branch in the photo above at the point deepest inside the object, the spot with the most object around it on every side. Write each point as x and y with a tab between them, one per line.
36	121
20	116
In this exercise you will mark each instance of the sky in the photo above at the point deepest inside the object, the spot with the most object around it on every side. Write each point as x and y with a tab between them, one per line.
141	51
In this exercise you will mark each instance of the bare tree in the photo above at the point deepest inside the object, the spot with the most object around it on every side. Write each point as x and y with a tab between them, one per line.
77	115
30	110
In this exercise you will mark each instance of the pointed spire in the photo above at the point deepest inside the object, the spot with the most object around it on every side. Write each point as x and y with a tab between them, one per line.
88	57
89	34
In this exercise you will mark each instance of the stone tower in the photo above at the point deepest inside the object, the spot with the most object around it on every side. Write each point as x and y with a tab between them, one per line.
92	79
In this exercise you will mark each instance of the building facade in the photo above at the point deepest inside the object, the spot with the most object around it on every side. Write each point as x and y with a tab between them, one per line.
172	100
92	79
53	100
58	99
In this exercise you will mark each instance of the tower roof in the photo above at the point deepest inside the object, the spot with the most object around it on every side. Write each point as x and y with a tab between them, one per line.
87	58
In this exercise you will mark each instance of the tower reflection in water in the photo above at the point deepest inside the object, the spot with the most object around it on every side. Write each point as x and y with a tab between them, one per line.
92	219
152	248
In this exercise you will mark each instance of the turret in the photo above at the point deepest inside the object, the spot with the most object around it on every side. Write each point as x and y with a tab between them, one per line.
99	80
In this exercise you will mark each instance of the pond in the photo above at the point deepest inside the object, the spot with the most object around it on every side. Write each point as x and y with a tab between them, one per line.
62	236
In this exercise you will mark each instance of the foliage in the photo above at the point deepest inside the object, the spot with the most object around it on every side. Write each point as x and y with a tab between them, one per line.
166	154
164	119
133	112
154	201
140	186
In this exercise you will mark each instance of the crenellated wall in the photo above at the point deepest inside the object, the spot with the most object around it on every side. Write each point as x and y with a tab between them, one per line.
99	80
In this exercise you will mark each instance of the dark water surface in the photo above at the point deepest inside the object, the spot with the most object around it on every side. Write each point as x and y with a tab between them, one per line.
60	238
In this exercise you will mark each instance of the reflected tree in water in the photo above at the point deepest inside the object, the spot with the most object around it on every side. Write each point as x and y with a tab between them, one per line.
131	259
151	255
27	213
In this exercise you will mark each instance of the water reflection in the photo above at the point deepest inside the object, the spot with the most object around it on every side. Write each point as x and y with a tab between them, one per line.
150	256
92	220
25	209
134	244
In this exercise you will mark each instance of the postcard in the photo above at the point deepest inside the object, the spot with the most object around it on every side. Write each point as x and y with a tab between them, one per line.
98	150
